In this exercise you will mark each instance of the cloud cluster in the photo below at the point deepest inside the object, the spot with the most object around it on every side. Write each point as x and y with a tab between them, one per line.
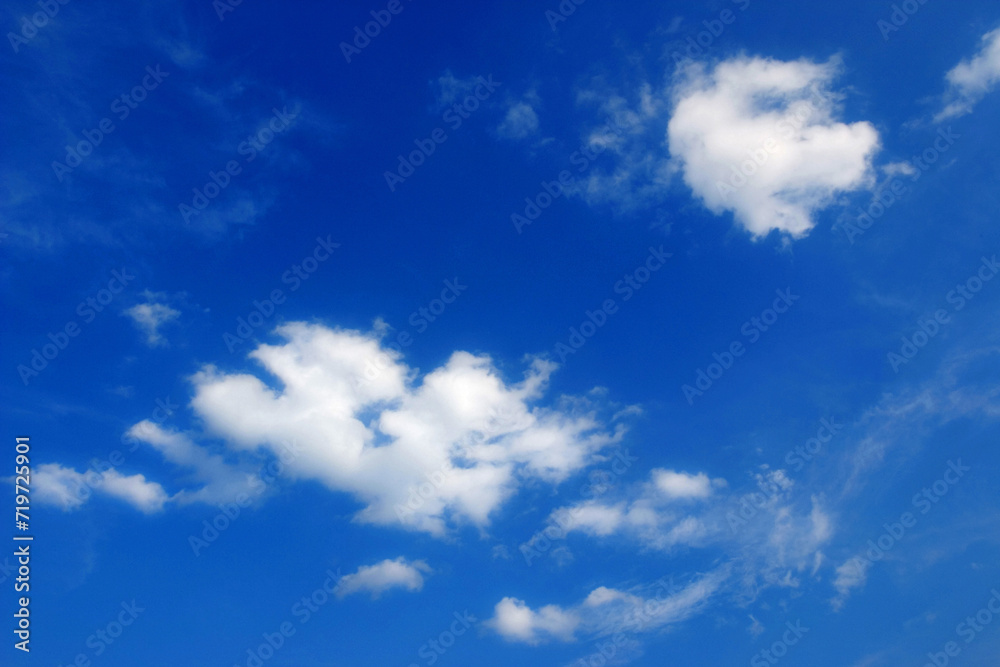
68	489
446	450
605	611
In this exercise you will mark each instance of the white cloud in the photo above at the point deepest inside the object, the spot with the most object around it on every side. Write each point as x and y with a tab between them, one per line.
146	496
632	141
515	621
222	481
682	485
519	122
381	577
451	89
69	489
760	138
605	611
775	538
651	515
150	316
422	456
852	574
971	80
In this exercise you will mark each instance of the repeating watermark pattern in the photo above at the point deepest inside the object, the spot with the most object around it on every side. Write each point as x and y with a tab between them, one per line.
88	310
753	329
454	116
122	106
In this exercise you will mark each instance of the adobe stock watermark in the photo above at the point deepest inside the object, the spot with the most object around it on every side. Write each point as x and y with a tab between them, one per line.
229	512
929	327
779	649
753	329
565	9
294	276
303	609
37	21
455	116
894	189
698	45
250	147
968	630
899	17
122	106
381	18
434	648
925	501
630	283
104	637
87	310
420	319
223	7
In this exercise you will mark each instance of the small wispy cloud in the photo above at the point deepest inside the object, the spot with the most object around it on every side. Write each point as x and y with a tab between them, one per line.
148	317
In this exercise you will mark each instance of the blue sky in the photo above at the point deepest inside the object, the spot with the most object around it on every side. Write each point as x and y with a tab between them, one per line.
531	334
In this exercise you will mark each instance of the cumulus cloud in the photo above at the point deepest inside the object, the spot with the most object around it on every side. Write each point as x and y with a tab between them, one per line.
520	120
150	316
606	611
971	80
424	455
760	138
68	489
516	621
381	577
